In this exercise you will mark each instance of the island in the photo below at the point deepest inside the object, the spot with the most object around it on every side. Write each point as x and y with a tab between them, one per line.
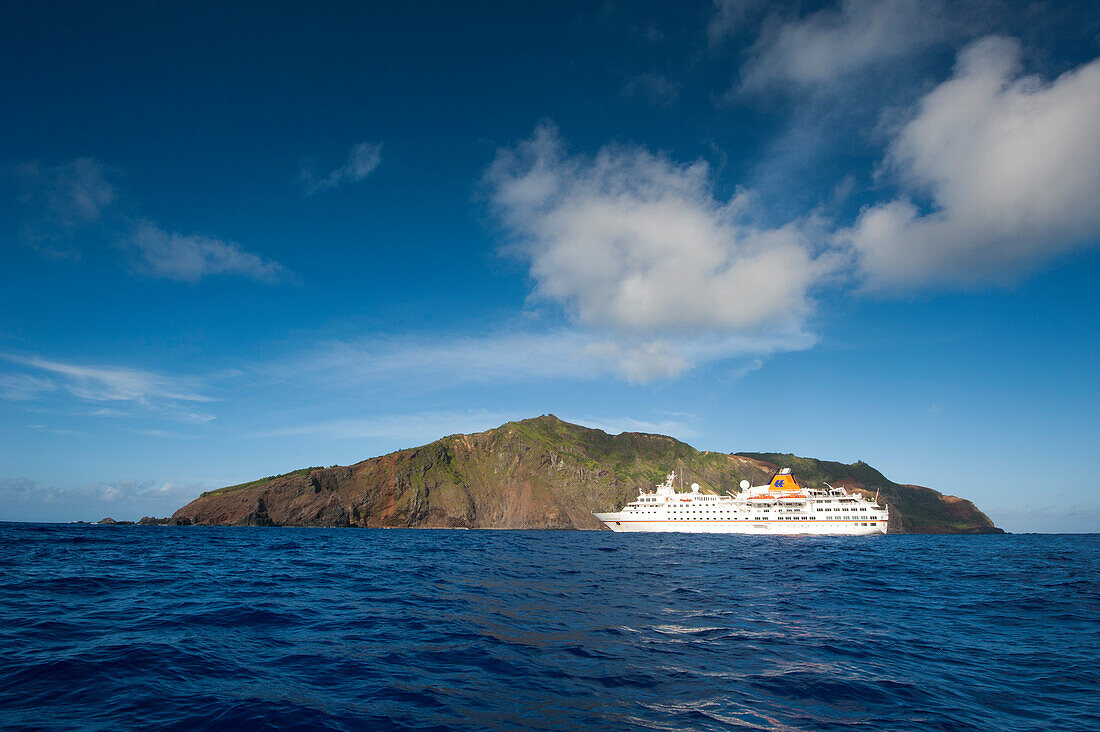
541	473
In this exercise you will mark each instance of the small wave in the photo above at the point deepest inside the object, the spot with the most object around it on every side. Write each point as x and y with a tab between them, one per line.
328	629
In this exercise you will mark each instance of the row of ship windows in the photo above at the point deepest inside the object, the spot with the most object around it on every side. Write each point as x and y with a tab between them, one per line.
757	518
699	507
780	518
820	500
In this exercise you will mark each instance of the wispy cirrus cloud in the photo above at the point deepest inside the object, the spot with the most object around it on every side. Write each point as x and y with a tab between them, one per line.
57	430
829	44
62	199
653	87
729	17
362	161
454	359
190	257
146	391
415	428
72	195
23	387
520	356
647	360
677	428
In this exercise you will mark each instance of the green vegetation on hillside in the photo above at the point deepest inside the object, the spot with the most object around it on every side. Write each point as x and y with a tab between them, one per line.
542	473
597	451
258	481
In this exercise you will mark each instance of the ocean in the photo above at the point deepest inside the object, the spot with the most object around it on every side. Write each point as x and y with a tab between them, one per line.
248	628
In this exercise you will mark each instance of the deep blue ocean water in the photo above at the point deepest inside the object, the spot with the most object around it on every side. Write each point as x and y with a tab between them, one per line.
128	627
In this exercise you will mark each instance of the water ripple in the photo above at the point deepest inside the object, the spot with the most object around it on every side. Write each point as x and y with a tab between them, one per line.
185	627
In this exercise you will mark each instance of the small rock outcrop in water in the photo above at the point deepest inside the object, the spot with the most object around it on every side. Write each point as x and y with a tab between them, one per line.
111	522
153	521
539	473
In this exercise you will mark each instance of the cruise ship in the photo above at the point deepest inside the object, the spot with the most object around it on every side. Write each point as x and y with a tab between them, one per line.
780	507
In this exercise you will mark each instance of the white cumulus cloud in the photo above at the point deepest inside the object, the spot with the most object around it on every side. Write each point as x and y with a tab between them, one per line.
637	247
634	242
1009	166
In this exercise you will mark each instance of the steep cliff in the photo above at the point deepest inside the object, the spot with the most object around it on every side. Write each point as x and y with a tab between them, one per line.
539	473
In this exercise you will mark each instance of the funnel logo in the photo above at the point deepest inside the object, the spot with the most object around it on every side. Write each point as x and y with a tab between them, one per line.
779	483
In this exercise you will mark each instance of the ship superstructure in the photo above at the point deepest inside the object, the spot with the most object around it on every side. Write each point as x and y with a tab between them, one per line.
780	507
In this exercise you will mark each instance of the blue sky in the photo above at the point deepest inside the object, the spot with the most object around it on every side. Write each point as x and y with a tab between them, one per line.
235	244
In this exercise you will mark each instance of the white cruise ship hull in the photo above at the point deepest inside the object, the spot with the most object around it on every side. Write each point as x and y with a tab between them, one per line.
625	523
782	508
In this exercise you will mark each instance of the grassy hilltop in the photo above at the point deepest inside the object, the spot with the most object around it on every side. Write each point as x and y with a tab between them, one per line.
538	473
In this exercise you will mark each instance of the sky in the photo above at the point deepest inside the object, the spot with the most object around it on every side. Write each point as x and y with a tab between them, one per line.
237	241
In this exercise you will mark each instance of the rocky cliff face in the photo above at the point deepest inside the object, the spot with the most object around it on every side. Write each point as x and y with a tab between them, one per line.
538	473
